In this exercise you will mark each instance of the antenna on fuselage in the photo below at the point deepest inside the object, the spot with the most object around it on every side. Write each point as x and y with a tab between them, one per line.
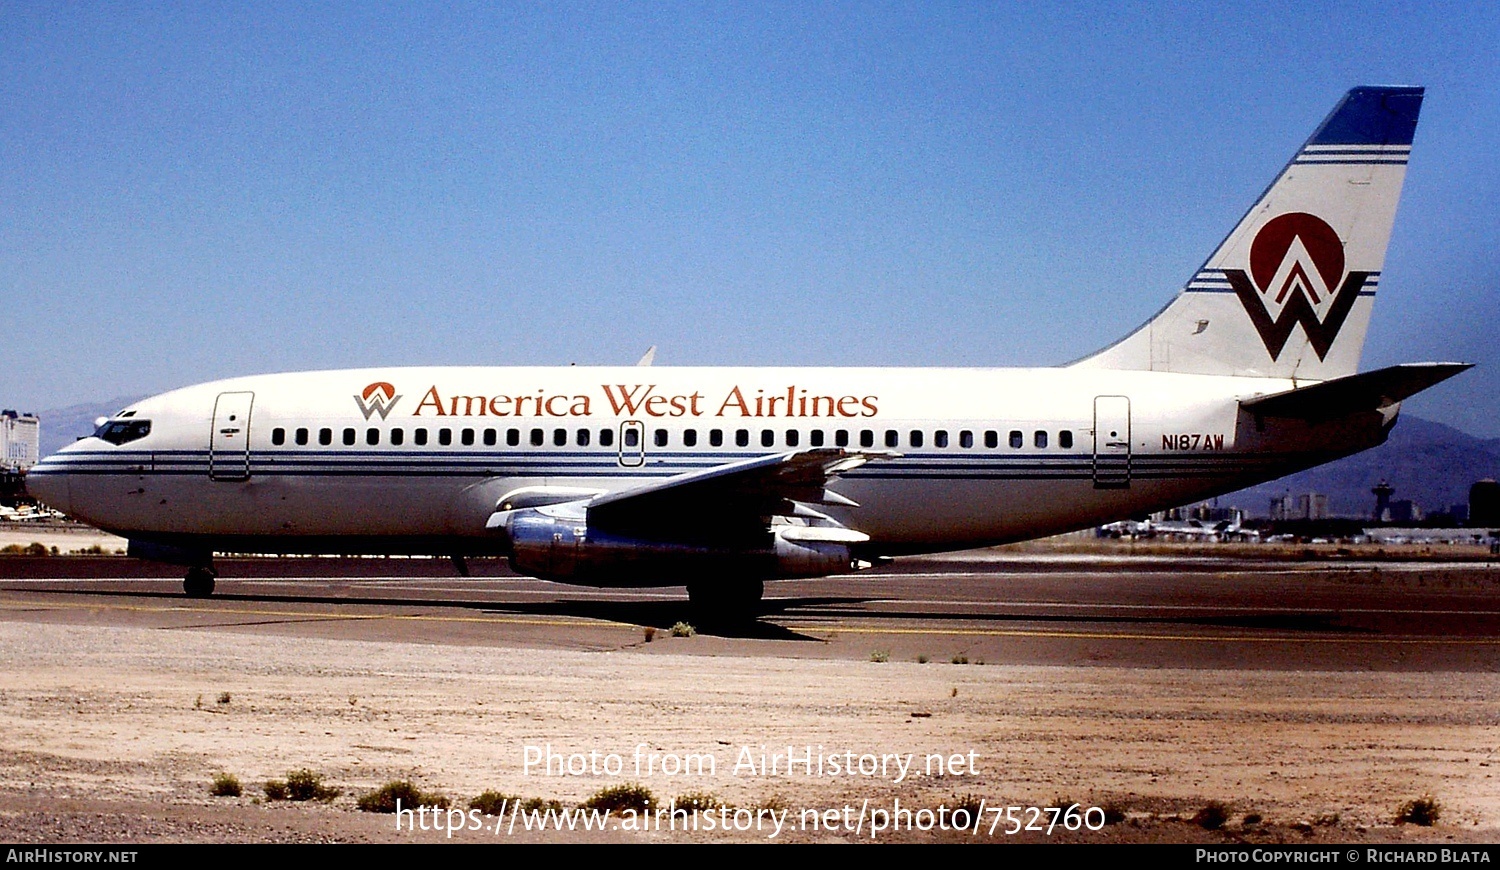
648	357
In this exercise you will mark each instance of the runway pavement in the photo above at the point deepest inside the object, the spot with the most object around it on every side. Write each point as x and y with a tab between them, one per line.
982	607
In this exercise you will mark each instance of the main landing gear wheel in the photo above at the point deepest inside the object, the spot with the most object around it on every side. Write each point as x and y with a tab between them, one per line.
726	600
199	583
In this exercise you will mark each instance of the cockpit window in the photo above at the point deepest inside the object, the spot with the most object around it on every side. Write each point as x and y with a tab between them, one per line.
123	431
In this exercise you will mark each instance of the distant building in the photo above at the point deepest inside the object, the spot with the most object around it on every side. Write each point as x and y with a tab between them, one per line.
1382	493
1404	510
1484	504
1303	506
19	440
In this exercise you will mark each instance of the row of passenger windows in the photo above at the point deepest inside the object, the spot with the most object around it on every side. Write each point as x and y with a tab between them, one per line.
662	438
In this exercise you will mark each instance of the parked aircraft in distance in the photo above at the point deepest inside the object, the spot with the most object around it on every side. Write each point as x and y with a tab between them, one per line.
722	478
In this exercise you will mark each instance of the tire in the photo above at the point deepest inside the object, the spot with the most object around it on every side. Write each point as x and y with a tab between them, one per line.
199	583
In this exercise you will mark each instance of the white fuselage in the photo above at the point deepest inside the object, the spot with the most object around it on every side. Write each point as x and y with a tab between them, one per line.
414	459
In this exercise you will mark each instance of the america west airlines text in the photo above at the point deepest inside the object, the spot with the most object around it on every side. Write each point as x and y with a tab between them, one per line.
643	400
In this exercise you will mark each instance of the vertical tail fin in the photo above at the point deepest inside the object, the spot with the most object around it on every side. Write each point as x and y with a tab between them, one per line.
1289	292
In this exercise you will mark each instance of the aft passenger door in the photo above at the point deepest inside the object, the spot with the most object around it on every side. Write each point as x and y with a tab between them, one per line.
229	443
1111	442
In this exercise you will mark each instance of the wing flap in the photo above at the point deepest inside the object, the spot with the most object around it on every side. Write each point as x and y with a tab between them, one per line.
762	486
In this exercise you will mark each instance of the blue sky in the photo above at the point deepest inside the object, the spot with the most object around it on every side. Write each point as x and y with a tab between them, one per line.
194	191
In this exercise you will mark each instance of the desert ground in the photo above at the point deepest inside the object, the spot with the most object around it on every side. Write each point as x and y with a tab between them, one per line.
119	712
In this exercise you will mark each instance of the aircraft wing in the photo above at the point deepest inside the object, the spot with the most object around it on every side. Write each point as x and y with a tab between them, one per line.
750	489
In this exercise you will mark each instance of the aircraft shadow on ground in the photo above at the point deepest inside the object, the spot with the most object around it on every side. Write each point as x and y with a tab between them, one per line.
659	614
665	614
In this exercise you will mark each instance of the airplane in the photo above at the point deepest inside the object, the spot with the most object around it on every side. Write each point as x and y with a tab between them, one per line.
723	478
1201	530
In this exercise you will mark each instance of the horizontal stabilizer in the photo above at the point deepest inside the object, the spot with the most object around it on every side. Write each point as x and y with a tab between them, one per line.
1364	391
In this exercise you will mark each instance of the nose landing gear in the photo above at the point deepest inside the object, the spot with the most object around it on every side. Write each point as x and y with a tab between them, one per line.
199	582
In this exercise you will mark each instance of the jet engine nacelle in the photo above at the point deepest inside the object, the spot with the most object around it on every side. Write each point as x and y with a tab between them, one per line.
564	548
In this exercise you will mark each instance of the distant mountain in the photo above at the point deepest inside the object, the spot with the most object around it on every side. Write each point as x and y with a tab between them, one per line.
1431	464
62	426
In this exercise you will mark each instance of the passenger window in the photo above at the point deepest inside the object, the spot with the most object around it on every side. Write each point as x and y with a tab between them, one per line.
632	437
1040	438
559	437
445	437
716	437
606	437
966	439
1016	439
419	437
372	436
467	437
991	438
661	437
398	436
916	437
583	437
940	438
742	437
278	436
892	438
302	436
767	438
537	437
348	436
815	437
1065	439
325	437
690	438
513	437
841	438
866	438
792	437
490	438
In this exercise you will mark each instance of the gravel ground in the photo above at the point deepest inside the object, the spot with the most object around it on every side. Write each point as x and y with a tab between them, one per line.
115	734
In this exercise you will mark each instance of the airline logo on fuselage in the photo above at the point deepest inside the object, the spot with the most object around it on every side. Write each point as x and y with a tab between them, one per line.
378	398
1297	276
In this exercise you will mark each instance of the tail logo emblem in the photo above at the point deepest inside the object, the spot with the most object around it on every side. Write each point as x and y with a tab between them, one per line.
1297	276
378	398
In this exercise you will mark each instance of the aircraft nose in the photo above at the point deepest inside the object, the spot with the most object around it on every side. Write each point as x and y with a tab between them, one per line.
47	482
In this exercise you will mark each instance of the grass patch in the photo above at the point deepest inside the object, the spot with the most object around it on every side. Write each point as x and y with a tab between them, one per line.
649	633
880	655
383	799
699	800
618	798
960	659
300	785
683	629
492	803
1212	817
1114	812
1423	811
223	698
225	785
